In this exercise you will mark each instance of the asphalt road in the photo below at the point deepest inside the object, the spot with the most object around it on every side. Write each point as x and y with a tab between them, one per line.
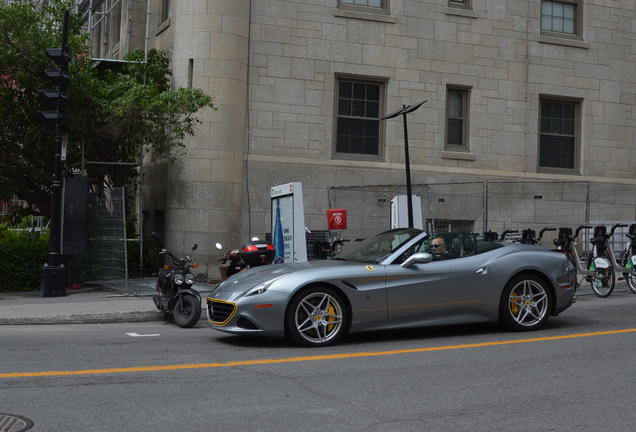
445	383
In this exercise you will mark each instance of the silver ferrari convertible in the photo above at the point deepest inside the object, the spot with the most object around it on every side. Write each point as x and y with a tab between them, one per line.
400	278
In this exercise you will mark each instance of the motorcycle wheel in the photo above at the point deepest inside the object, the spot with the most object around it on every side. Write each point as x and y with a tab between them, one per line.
187	311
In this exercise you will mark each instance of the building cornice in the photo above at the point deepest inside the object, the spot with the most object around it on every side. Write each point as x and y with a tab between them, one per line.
335	163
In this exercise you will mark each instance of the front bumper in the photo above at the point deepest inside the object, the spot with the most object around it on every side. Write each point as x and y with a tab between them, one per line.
258	315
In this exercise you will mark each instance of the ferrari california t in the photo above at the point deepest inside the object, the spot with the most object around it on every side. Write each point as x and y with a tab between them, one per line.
399	278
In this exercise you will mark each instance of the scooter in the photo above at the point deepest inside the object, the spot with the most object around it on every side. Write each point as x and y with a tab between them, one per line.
176	296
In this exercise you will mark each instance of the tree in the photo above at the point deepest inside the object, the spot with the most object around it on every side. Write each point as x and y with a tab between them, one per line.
114	113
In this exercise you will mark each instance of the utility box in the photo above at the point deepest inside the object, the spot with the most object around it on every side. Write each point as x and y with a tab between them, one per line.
53	282
400	212
74	239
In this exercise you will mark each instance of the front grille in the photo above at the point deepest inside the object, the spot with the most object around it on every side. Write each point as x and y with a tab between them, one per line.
220	312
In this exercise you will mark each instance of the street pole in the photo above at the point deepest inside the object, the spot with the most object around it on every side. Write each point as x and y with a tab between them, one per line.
406	109
56	194
409	197
53	273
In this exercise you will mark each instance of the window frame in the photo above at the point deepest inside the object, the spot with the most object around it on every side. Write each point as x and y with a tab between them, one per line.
465	147
382	82
466	4
578	20
383	9
164	14
114	22
577	134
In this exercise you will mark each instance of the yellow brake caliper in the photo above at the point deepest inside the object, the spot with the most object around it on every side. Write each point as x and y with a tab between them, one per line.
331	311
514	308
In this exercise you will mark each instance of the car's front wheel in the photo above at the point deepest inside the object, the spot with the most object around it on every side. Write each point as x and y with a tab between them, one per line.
316	316
525	303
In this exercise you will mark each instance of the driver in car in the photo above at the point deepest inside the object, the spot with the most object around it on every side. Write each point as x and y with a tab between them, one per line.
438	248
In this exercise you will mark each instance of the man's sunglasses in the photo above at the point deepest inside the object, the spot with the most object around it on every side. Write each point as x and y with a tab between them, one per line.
435	246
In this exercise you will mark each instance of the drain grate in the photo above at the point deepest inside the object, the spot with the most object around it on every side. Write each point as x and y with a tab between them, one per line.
14	423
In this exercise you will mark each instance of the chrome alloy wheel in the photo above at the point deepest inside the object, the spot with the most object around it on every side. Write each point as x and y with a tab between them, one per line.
318	317
528	303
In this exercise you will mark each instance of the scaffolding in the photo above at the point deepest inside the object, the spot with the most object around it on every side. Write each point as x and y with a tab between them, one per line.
102	19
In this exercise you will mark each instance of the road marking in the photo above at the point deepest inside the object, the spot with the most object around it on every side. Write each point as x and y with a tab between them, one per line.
146	335
305	358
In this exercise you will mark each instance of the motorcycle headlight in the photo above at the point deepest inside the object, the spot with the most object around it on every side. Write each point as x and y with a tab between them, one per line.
178	279
189	278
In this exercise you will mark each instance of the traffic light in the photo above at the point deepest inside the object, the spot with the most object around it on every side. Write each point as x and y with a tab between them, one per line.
55	100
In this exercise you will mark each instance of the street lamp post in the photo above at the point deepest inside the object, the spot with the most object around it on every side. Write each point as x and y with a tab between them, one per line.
53	275
406	109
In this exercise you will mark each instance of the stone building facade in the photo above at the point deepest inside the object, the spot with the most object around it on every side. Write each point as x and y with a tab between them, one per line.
515	89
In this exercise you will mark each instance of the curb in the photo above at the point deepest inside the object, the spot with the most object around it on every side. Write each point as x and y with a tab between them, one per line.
96	318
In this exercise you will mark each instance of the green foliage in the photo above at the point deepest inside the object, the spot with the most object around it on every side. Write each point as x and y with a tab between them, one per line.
22	255
113	112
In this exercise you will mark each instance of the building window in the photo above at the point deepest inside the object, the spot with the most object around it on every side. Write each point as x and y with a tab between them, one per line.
359	108
115	23
165	10
560	16
372	5
457	102
460	3
558	134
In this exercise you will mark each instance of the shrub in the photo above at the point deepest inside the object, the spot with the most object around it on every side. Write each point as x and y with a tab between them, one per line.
22	255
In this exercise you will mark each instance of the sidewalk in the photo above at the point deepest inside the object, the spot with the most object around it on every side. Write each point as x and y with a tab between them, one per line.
92	304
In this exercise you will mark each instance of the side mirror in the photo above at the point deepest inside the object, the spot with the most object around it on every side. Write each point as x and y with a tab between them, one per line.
418	258
162	252
195	247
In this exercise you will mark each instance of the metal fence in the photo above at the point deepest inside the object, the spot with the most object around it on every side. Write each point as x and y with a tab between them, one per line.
106	257
494	206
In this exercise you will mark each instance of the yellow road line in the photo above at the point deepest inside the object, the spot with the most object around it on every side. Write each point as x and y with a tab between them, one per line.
305	358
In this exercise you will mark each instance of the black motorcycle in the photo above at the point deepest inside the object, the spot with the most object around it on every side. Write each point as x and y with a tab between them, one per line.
251	254
176	297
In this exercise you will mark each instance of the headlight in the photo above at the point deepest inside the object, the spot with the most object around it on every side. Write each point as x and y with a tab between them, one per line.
178	279
189	278
261	288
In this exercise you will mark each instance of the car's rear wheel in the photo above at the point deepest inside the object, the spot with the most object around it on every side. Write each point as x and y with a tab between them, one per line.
525	303
316	316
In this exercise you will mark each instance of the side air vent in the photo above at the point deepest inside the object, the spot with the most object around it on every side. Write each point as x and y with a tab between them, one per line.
246	324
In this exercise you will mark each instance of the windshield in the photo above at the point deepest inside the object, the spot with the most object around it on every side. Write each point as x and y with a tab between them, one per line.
376	248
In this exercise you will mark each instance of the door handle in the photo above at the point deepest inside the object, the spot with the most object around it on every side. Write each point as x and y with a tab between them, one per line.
481	271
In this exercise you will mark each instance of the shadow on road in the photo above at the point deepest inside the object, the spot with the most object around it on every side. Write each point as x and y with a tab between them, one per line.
423	334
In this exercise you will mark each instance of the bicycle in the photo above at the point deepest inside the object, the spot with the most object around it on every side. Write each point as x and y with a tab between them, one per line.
629	259
602	261
566	243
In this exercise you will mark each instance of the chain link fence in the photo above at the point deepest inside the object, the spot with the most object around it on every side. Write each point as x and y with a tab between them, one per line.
106	256
494	206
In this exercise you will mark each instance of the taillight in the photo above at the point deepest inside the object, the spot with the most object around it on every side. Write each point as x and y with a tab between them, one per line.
270	247
166	267
250	248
